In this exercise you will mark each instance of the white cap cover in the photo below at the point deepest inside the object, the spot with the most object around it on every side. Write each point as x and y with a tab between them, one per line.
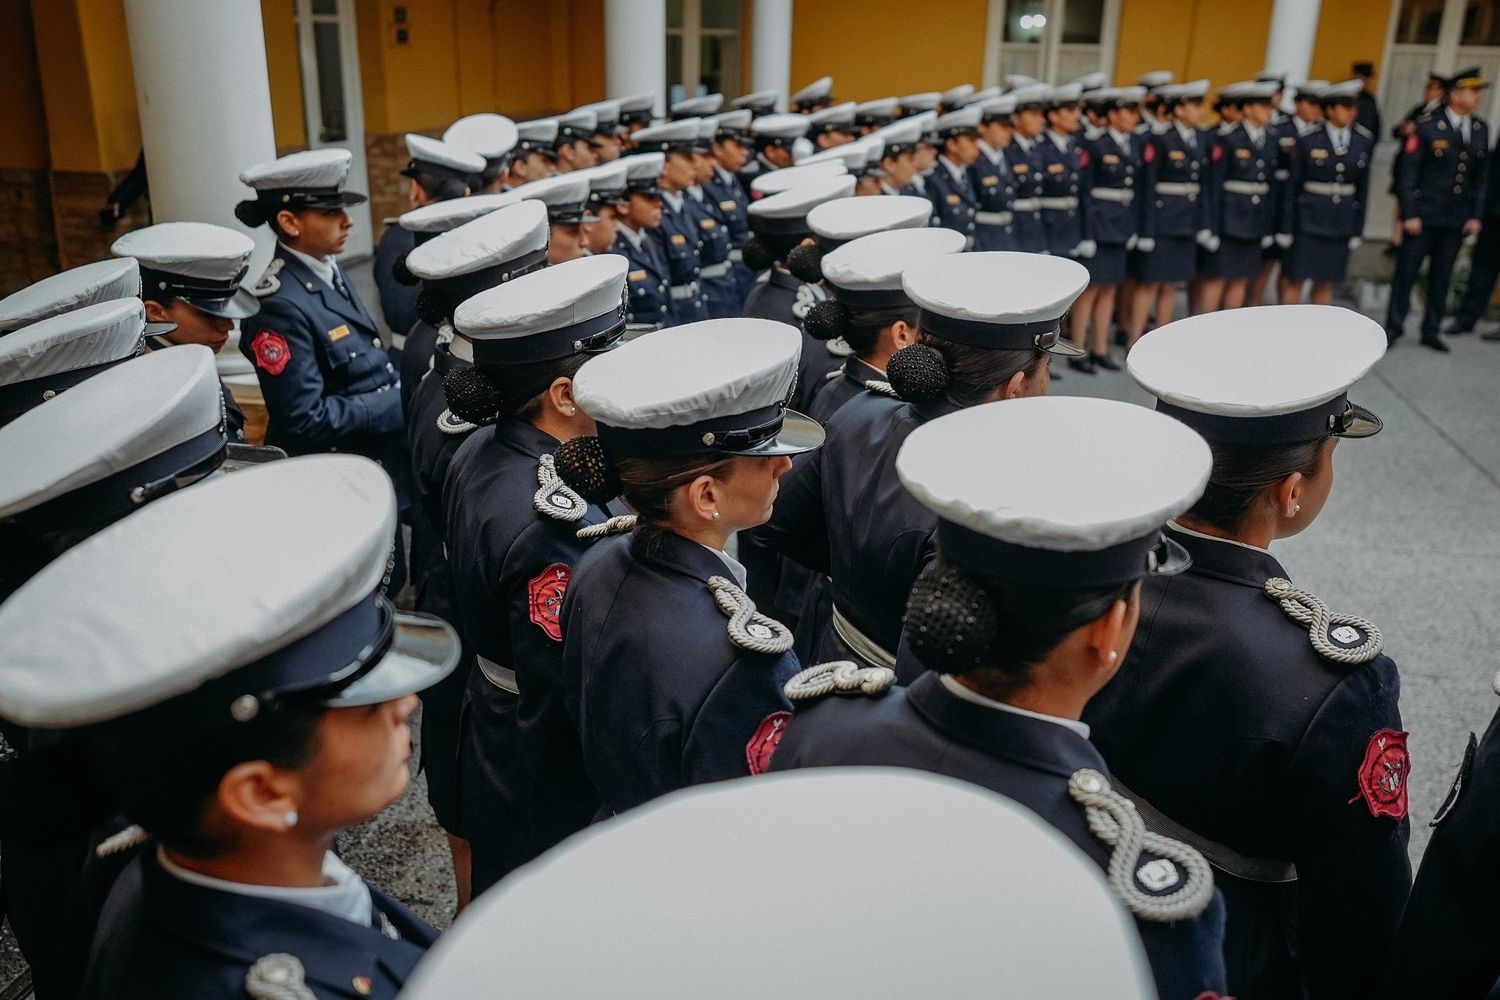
434	154
667	919
818	90
74	288
707	104
495	238
845	219
1000	288
788	210
83	338
838	118
311	168
776	181
875	263
488	135
190	249
442	216
547	314
781	125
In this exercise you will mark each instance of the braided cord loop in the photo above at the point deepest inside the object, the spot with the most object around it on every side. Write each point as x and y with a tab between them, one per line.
278	977
555	498
620	524
748	628
1306	609
843	676
1114	820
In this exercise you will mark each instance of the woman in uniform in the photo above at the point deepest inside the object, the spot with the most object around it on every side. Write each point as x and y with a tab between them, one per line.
1024	616
1241	201
513	542
673	677
1276	741
987	323
245	735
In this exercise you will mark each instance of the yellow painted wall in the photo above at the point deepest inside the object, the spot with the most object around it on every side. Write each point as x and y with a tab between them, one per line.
881	48
283	67
1222	40
1349	31
25	145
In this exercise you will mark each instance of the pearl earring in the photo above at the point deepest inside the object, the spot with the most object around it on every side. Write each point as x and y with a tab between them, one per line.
716	515
290	818
1113	655
1296	510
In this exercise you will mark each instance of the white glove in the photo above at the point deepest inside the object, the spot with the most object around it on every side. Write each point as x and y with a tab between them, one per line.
1283	240
1130	244
1470	240
1207	240
1145	244
1086	249
1355	243
1266	241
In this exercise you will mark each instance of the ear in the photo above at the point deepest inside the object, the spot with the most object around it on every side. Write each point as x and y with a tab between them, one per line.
288	222
413	192
156	312
257	795
560	396
1106	637
1286	495
1013	387
903	334
701	498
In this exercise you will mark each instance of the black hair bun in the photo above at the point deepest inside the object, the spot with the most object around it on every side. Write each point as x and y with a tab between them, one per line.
584	465
472	396
756	256
402	273
251	213
827	320
432	307
806	262
917	373
950	621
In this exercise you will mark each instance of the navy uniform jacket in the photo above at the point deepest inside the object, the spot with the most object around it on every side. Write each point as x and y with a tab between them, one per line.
398	302
721	286
1259	743
416	358
929	728
733	206
1026	173
1285	133
327	381
1449	945
1328	212
681	240
431	451
234	417
954	201
782	296
1181	210
662	697
512	564
995	188
839	386
843	511
161	938
1059	187
1108	165
1247	210
648	281
1442	179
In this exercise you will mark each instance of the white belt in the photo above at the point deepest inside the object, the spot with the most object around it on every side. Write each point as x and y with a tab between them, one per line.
503	678
715	270
993	218
1122	195
1026	204
737	255
859	644
1182	189
1064	204
1247	187
687	291
1330	190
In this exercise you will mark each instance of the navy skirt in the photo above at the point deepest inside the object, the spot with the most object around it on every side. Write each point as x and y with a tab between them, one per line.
1316	258
1235	259
1107	266
1172	262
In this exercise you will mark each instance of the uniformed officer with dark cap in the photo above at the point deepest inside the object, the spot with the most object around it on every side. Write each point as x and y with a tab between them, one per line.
1484	265
647	288
1060	165
567	199
1025	615
1440	193
492	137
702	106
1025	158
243	734
438	171
636	112
1277	744
514	543
608	129
872	115
731	147
327	381
1306	117
535	155
814	97
832	126
774	135
721	286
679	232
761	102
1241	196
952	187
995	186
576	147
607	193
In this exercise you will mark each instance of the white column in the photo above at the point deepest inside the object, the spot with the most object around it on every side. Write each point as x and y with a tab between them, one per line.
1294	28
205	104
635	48
771	46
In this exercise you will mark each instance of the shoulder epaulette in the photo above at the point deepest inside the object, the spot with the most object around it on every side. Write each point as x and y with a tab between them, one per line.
882	387
748	628
839	676
453	426
269	283
1361	130
1346	639
279	976
620	524
555	498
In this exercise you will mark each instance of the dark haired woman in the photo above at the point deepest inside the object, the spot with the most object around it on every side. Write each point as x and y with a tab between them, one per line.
1026	614
787	284
1275	736
673	676
328	383
987	323
244	736
513	542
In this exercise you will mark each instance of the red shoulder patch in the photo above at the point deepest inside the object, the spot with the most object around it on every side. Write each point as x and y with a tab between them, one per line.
765	741
1384	773
1412	144
1148	152
1217	154
271	351
1083	157
545	596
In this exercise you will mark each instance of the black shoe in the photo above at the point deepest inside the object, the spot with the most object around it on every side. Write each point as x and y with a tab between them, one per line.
1391	336
1460	328
1084	364
1436	343
1106	362
1121	338
1493	336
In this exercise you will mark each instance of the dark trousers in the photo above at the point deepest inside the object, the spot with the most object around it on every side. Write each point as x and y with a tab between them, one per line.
1482	276
1439	244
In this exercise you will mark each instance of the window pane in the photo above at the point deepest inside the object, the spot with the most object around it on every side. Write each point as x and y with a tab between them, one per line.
674	13
674	66
1024	20
1419	21
325	6
1083	22
721	14
721	64
330	82
1482	23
